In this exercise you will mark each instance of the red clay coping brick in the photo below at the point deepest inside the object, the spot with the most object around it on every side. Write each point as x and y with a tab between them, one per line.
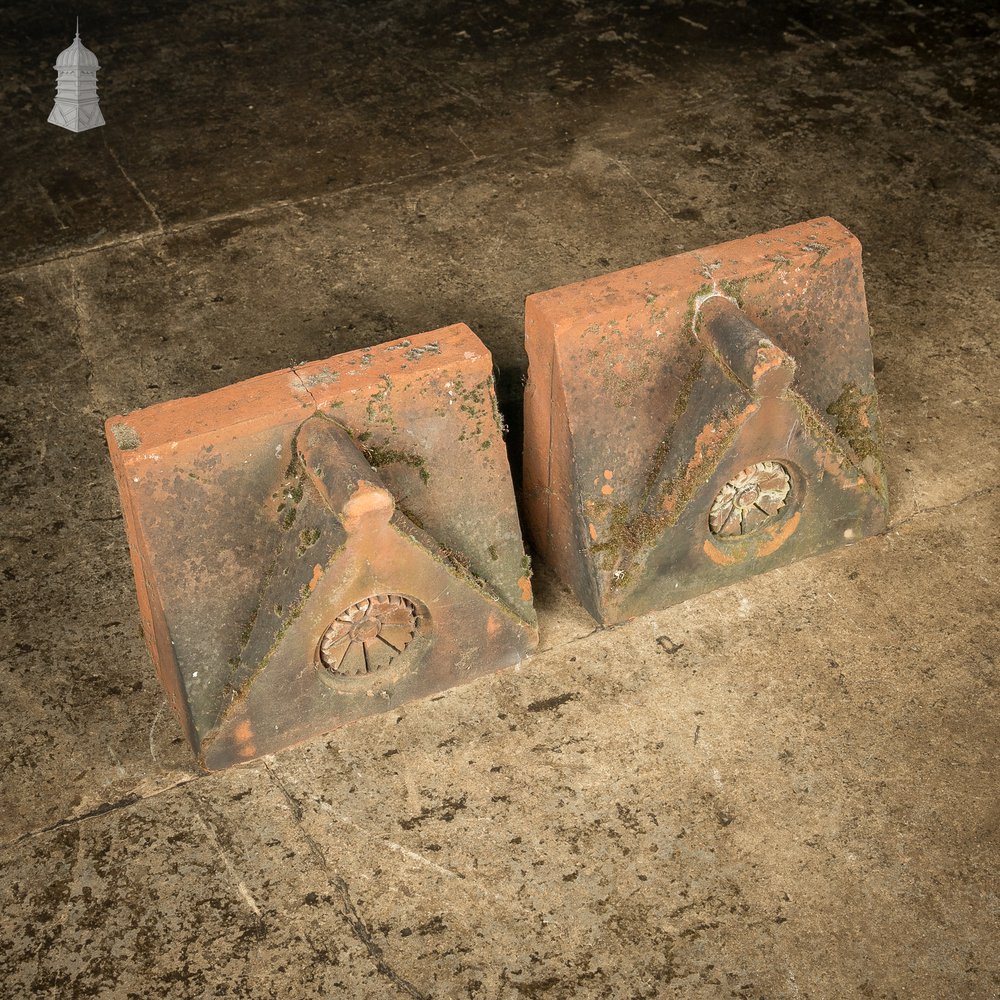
324	542
658	394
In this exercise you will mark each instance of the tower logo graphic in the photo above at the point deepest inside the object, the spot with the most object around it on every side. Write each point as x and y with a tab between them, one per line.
76	107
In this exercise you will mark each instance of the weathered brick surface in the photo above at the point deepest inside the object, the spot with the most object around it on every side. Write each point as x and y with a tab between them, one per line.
699	419
324	542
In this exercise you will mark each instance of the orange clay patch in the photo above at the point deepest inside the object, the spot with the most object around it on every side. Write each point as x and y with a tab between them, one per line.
716	555
244	740
525	584
827	460
317	574
608	474
779	537
593	533
769	357
765	548
367	500
607	489
704	446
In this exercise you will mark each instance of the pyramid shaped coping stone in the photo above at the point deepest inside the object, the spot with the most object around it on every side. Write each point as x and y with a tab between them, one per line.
699	419
326	542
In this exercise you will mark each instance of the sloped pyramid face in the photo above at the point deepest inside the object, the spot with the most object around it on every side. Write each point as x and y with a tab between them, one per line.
318	544
778	491
698	419
376	616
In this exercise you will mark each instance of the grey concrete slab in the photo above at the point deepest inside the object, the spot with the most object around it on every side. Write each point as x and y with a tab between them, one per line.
80	725
679	806
213	892
753	794
219	108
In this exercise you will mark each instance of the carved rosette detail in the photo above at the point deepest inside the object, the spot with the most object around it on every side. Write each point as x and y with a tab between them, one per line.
750	499
366	637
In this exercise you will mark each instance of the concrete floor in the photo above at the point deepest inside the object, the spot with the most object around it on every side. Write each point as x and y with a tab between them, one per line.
784	789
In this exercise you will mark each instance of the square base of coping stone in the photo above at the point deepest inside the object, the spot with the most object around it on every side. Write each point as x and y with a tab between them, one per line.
325	542
699	419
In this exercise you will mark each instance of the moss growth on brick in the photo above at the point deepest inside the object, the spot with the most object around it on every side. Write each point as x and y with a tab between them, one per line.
380	456
733	289
631	534
692	307
495	405
126	437
379	408
851	410
308	537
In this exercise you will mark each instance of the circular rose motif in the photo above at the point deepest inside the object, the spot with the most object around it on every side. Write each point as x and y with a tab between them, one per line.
366	637
750	499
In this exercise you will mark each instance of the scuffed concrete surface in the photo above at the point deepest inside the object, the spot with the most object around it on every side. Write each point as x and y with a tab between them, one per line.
785	789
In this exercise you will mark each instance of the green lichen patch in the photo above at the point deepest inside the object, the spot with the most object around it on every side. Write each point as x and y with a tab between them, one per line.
415	353
308	537
293	488
247	631
380	456
733	289
855	414
820	249
379	408
292	613
126	437
322	377
473	402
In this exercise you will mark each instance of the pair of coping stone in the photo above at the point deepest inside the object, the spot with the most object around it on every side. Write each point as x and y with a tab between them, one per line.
330	541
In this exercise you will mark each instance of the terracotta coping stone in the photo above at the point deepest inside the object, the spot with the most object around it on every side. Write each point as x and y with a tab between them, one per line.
369	493
698	419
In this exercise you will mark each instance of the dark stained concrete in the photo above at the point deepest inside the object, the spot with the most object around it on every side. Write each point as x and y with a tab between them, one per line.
785	789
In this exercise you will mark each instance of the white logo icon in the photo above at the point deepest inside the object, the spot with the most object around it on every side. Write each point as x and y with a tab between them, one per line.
76	106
